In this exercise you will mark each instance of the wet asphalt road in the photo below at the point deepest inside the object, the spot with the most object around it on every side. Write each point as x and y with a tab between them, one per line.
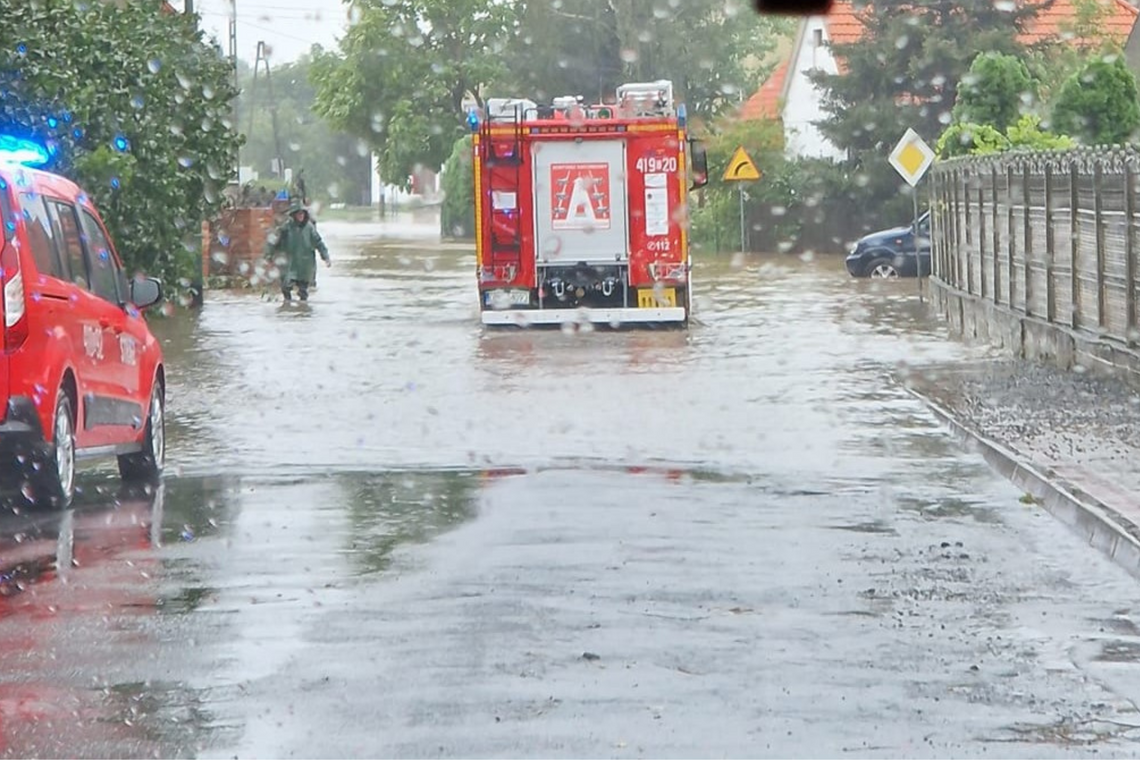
386	532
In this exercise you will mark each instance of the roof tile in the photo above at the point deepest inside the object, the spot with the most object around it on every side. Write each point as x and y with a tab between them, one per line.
765	103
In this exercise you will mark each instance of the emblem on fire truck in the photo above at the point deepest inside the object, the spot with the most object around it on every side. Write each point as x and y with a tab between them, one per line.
580	196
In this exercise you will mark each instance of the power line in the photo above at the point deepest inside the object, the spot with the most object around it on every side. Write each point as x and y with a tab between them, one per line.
260	16
279	34
257	7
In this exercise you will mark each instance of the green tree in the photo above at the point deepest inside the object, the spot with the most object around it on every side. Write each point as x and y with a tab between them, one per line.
905	69
1083	36
1099	104
139	107
996	91
404	72
708	48
565	48
407	68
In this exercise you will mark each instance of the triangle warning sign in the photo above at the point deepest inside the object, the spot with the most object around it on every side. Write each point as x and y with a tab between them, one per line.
740	167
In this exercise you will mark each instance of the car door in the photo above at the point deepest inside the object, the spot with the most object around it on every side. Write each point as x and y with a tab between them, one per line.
922	241
105	416
922	244
109	282
50	291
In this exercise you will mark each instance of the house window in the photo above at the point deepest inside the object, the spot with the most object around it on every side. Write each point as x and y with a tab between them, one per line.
818	34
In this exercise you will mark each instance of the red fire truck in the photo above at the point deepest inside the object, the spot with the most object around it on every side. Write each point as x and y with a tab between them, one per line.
581	210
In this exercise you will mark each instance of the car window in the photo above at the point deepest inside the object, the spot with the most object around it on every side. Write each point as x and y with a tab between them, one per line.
40	237
70	241
102	265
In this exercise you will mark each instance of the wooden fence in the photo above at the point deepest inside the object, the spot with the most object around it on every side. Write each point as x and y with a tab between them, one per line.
1054	236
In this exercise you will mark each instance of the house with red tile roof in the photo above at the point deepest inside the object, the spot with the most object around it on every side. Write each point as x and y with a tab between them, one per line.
790	96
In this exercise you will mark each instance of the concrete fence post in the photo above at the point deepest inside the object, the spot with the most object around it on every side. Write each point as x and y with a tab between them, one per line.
1130	317
938	203
935	225
995	286
982	237
1011	254
961	252
948	211
1098	215
1050	243
954	254
1027	240
1075	239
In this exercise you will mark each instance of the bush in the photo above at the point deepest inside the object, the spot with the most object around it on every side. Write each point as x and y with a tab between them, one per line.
457	213
995	91
968	139
1099	104
1027	134
982	139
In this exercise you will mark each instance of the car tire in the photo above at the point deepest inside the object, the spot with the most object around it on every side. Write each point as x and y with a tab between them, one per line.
53	483
882	269
146	465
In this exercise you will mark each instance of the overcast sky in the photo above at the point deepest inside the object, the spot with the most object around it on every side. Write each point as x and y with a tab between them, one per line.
288	27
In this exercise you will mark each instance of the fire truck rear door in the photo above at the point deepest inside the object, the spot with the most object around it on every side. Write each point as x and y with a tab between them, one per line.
580	202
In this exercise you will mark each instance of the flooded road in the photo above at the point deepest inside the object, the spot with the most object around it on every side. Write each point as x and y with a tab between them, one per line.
386	531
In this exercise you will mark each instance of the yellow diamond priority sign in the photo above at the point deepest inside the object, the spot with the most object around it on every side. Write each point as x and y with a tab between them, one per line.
912	157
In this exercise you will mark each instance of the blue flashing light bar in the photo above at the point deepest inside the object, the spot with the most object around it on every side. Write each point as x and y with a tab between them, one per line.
19	150
473	120
681	115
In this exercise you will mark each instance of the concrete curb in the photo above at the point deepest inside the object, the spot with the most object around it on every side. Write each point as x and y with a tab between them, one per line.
1098	524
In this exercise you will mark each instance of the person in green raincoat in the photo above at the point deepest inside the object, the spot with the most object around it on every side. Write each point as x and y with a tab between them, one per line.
294	245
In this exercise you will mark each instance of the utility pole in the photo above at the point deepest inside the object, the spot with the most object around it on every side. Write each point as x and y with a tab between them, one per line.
263	57
237	88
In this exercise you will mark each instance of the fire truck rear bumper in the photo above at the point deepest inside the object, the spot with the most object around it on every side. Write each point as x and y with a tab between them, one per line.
529	317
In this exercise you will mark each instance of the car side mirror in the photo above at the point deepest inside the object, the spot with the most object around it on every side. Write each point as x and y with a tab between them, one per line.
700	164
145	291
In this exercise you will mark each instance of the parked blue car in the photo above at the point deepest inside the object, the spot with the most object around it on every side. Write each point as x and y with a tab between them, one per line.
892	253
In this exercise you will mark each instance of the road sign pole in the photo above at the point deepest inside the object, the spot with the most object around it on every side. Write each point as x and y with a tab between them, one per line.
740	189
914	229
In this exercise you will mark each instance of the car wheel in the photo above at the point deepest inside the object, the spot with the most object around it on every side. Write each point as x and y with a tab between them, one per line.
882	269
53	484
147	464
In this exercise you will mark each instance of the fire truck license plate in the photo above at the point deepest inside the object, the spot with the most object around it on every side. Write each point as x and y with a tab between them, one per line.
505	299
656	298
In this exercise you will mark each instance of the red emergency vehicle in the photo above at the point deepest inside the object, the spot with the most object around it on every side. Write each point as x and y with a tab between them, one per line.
581	210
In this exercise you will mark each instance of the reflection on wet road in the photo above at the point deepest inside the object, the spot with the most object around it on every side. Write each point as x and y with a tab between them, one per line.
387	532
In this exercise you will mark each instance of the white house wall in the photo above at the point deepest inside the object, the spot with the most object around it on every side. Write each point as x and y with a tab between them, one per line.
802	100
382	190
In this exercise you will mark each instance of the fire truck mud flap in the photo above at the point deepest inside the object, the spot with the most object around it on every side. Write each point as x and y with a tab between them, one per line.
615	317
